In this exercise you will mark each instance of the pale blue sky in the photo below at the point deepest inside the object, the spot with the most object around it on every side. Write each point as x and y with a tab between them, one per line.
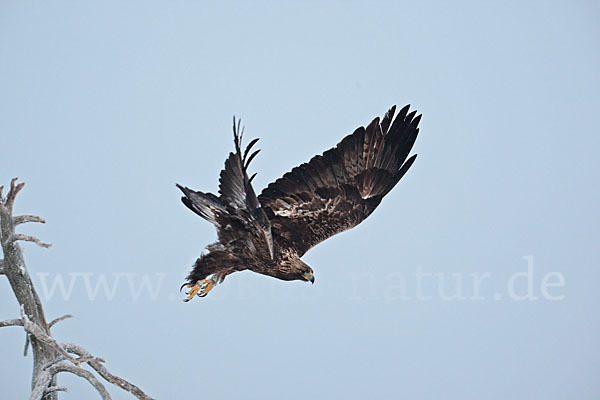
105	105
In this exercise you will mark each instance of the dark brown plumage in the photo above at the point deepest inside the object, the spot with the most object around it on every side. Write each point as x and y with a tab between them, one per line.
329	194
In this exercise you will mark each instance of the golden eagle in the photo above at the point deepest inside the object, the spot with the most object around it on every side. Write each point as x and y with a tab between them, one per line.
329	194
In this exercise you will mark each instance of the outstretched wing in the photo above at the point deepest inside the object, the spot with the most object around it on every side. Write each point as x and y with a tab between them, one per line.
341	188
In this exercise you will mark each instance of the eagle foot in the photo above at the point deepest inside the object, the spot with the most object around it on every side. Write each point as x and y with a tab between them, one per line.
200	288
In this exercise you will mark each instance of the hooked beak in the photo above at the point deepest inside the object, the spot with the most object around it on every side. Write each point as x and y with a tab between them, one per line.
309	277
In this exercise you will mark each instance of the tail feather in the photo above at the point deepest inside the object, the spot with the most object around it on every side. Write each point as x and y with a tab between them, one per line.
206	205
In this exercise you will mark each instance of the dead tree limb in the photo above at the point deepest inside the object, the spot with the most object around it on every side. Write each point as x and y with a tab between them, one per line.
21	219
27	238
42	383
20	281
49	357
57	320
11	322
51	389
96	363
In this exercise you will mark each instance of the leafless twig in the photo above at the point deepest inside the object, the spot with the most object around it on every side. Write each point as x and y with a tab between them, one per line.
47	375
12	193
21	219
11	322
18	236
96	364
26	347
57	320
51	389
38	332
17	322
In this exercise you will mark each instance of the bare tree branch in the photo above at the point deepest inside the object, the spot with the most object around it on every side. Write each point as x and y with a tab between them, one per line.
47	375
38	332
49	357
103	372
57	320
17	322
65	367
18	236
11	322
51	389
27	343
12	193
21	219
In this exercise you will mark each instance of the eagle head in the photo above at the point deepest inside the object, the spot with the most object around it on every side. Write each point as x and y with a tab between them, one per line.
308	275
302	270
292	268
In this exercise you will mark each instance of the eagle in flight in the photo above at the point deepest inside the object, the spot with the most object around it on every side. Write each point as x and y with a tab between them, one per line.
331	193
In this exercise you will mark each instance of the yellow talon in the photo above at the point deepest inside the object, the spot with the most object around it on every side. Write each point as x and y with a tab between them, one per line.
200	288
206	286
194	289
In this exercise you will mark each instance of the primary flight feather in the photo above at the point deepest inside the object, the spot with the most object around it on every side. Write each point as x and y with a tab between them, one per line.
331	193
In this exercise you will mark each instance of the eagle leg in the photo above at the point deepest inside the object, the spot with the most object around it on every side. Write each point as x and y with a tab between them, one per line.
200	288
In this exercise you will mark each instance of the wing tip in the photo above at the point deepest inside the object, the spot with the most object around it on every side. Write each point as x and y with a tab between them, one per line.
186	190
